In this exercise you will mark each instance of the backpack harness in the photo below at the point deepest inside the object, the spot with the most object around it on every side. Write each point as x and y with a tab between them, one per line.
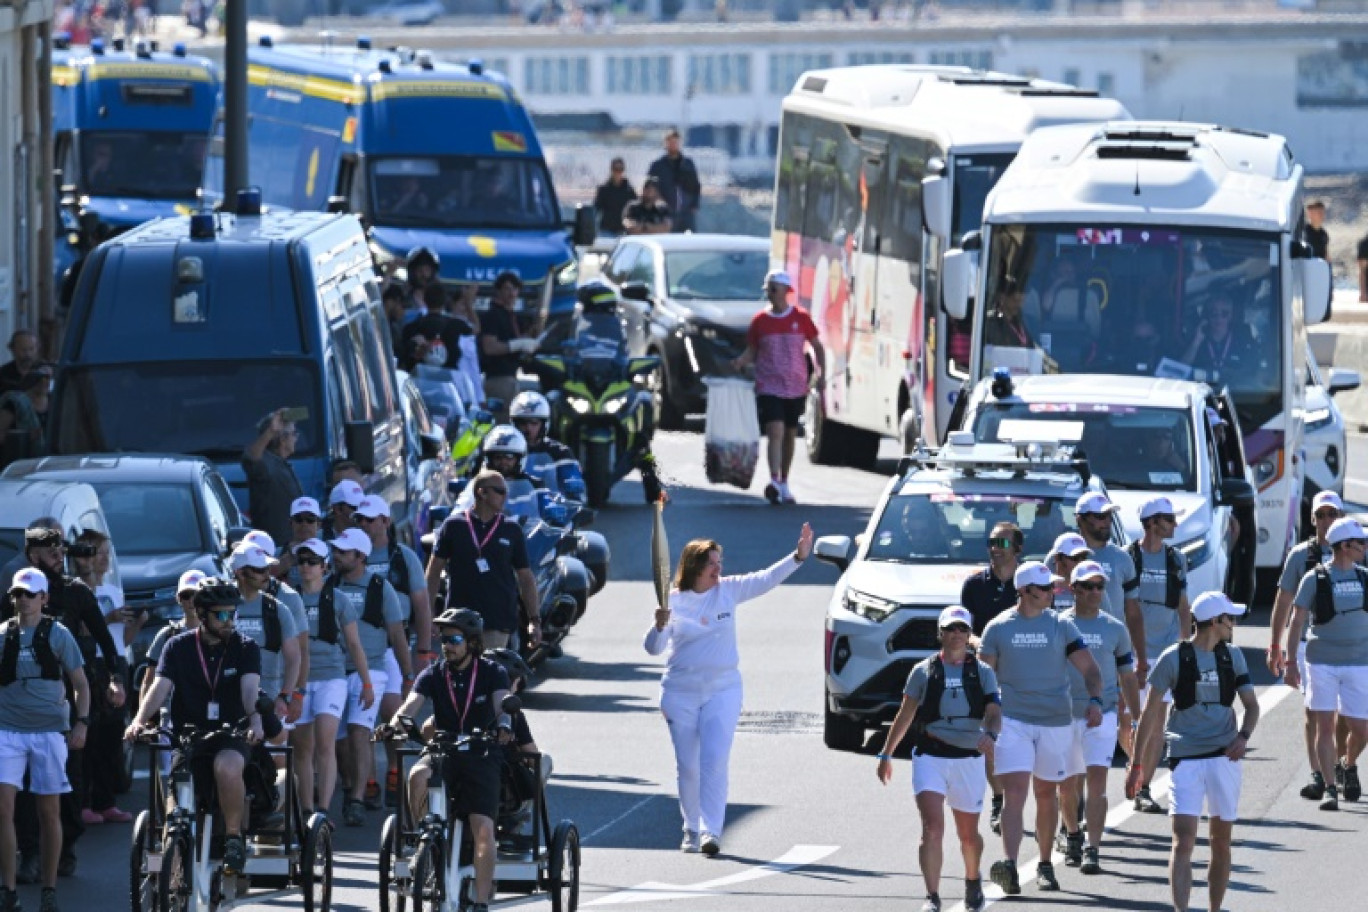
42	650
1172	568
1185	689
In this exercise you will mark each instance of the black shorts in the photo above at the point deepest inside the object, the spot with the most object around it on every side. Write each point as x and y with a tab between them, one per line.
777	408
201	761
473	779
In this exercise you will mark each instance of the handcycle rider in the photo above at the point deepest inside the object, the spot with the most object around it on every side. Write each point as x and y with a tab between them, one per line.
467	693
213	676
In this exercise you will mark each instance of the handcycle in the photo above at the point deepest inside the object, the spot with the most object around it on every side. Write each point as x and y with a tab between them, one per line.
430	863
176	860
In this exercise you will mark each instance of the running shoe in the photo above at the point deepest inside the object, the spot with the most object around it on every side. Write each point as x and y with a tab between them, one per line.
1045	877
47	901
785	494
115	814
690	843
1331	802
1353	790
772	493
974	900
1092	863
372	799
66	864
234	854
932	903
1339	775
29	870
1073	850
9	900
91	818
1315	789
1145	804
995	817
710	846
392	789
354	813
1004	874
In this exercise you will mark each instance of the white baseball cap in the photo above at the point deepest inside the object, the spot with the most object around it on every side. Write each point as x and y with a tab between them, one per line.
305	506
247	555
262	540
1034	573
956	614
1071	544
1087	570
778	277
30	579
1344	529
352	540
372	506
1094	502
1156	506
313	545
190	580
1326	499
1210	605
346	492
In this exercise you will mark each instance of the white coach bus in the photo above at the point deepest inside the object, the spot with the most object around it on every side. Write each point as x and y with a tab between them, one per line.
880	170
1157	249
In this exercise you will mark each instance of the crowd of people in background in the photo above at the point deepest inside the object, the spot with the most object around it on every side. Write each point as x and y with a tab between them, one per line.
670	195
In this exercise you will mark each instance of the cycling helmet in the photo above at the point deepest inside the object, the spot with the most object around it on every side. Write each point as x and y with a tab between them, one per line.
530	404
505	439
512	663
597	296
418	254
463	619
217	594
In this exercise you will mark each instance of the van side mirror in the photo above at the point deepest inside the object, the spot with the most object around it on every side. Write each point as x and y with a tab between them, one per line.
637	291
431	445
585	227
1343	379
338	204
1316	289
936	206
959	275
360	441
1237	492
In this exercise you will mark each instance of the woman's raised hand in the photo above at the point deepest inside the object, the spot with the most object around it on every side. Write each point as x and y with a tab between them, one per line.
804	543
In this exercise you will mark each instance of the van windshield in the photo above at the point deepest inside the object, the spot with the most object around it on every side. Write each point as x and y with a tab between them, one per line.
462	191
204	408
114	164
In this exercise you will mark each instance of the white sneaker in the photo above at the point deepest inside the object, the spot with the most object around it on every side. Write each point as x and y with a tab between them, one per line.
710	845
690	843
773	491
785	495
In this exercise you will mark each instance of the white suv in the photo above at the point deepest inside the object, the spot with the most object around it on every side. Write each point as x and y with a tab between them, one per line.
928	533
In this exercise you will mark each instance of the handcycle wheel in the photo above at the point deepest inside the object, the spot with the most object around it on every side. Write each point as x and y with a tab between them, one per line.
393	896
142	884
429	870
563	878
317	865
175	883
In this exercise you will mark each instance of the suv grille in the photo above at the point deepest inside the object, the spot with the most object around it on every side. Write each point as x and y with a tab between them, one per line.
918	633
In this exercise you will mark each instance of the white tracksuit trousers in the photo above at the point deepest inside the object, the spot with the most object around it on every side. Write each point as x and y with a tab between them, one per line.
702	726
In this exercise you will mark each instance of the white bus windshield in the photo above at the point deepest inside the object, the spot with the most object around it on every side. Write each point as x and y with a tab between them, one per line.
1190	304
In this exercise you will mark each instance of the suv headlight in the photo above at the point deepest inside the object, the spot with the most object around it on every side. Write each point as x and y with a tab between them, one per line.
1197	551
1317	418
869	607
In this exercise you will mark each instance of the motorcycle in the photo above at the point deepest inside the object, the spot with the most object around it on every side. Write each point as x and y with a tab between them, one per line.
600	406
593	547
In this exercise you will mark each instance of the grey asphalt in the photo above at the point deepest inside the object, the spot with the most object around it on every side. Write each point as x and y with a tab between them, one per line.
808	829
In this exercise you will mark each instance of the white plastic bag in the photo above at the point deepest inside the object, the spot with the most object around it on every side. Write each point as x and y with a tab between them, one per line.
731	438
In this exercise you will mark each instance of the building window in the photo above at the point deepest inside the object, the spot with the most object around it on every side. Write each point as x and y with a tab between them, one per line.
967	57
720	74
785	68
639	75
556	76
864	58
1072	76
1106	84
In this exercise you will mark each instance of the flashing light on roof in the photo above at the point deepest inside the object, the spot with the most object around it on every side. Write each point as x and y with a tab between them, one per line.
363	43
178	49
118	44
385	66
1002	383
424	59
61	40
202	226
960	439
266	41
97	47
143	49
475	65
249	201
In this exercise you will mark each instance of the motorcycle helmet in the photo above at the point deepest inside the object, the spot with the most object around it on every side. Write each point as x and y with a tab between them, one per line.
419	254
530	406
466	620
214	594
597	296
506	440
518	671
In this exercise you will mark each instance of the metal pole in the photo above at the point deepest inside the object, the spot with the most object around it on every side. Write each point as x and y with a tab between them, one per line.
235	175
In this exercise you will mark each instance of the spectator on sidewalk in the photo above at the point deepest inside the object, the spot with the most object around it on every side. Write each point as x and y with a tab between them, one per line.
612	197
679	185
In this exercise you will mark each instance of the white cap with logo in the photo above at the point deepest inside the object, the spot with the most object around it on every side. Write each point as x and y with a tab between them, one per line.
956	614
247	555
262	540
313	545
1211	605
1088	570
346	492
1345	529
778	277
305	506
30	579
352	540
1326	499
1034	573
190	580
372	506
1094	502
1156	506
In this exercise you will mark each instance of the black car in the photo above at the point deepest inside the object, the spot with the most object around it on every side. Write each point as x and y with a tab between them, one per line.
689	299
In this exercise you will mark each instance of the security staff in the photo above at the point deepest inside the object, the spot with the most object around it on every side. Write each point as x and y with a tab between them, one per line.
559	470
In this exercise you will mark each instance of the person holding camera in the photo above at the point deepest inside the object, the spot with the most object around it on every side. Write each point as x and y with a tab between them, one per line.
953	710
271	482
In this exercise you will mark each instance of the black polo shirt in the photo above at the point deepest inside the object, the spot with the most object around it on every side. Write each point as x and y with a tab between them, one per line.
501	323
433	683
181	664
493	593
986	596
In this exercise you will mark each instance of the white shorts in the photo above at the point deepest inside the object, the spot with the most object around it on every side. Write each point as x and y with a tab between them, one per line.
394	678
1215	780
1092	746
356	714
1301	669
42	754
1338	688
962	780
1041	750
324	698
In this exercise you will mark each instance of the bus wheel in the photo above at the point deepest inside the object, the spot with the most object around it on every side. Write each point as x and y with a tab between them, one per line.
909	430
824	438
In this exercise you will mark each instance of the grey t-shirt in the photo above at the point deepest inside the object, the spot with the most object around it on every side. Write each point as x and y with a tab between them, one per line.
1110	644
1344	640
289	597
1032	657
1206	726
32	704
1294	568
1161	621
374	640
251	624
379	562
159	642
1121	579
955	727
328	661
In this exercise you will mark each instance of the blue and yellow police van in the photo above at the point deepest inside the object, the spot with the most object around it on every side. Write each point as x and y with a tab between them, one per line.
427	154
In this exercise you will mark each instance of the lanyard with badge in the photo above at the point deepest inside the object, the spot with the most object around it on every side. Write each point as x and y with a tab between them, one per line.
480	563
212	712
470	695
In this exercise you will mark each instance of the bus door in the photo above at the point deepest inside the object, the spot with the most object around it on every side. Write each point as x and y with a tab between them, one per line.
865	340
902	313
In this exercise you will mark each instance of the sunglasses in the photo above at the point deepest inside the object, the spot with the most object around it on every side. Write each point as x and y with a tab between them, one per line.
452	639
304	518
1327	514
368	519
1037	589
186	596
1090	587
223	616
18	594
310	562
255	571
1001	542
956	628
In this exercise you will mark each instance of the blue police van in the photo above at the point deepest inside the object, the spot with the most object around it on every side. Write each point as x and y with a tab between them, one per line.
131	131
186	332
426	153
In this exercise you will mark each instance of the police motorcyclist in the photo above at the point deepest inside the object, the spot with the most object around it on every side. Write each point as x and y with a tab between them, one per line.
213	676
467	694
505	451
530	413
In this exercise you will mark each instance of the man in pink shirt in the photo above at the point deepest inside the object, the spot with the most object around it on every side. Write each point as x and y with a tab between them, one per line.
777	344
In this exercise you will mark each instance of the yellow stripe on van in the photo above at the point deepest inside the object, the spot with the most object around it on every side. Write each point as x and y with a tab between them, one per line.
148	71
312	86
387	89
64	76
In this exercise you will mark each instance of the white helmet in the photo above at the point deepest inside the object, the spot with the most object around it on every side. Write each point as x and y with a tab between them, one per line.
530	404
505	439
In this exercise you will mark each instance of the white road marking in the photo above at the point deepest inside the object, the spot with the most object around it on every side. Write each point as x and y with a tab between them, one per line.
619	818
652	891
1271	697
